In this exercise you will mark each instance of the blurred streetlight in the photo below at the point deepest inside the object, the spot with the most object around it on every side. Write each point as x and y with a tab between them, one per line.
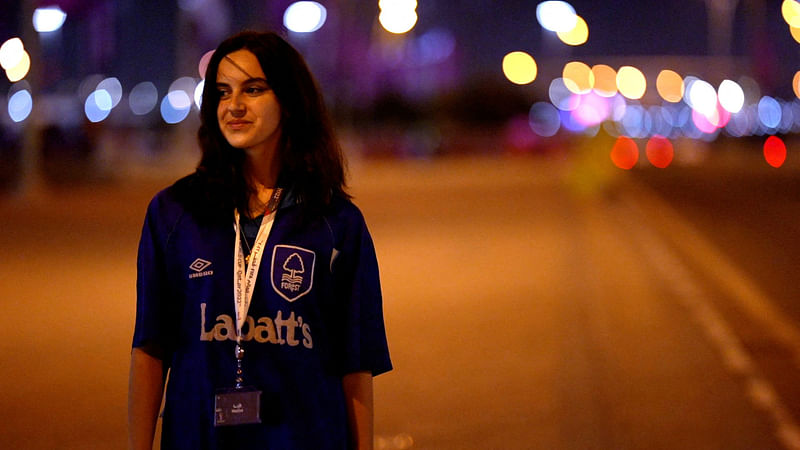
519	67
14	59
397	16
631	82
790	10
557	16
578	35
304	17
48	19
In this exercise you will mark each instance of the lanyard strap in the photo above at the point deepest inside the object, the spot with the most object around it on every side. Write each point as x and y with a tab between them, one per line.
245	275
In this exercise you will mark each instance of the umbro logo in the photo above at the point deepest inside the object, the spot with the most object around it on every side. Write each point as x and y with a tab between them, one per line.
199	266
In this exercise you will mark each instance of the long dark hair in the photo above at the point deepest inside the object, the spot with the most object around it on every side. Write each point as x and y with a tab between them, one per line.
311	160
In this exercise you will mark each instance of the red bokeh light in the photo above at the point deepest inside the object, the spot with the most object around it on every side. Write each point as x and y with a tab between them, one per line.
774	151
625	153
659	151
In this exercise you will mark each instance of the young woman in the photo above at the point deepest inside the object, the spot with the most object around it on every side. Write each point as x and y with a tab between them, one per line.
258	294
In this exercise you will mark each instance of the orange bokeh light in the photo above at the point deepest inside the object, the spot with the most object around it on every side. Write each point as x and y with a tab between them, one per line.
659	151
774	151
578	77
625	153
605	80
670	86
796	84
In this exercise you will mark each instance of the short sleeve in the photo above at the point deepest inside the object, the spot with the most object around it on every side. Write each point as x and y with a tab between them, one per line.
365	344
151	331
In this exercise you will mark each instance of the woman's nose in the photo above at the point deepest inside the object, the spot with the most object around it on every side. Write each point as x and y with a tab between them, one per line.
236	106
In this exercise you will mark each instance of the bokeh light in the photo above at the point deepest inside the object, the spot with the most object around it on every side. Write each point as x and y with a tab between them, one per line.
795	32
769	112
796	84
578	35
578	77
556	16
114	89
20	105
659	151
625	153
561	97
709	122
774	151
304	17
11	53
519	67
592	110
662	121
636	122
631	82
203	64
175	106
669	86
143	98
787	118
752	91
435	46
731	96
185	84
19	71
571	123
790	10
198	94
48	19
397	16
97	105
701	96
544	119
605	80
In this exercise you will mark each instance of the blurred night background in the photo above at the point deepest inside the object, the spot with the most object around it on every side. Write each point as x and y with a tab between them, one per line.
586	212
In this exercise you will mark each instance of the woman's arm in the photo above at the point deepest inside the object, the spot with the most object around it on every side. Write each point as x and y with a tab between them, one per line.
145	389
358	395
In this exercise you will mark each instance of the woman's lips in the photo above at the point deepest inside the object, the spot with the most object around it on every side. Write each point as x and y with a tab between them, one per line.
237	124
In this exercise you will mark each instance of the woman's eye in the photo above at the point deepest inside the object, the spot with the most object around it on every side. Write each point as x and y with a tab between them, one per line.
254	90
223	93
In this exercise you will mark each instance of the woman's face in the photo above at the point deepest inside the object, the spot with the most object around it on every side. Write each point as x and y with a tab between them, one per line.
248	112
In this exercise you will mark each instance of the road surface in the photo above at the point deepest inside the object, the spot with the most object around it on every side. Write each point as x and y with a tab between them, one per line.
525	308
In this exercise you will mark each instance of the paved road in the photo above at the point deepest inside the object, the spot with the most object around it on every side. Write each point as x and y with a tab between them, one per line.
525	310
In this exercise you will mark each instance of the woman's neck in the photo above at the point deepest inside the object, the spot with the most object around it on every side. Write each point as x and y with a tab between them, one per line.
262	175
262	169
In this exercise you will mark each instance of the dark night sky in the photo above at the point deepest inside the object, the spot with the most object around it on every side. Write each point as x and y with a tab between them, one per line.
486	30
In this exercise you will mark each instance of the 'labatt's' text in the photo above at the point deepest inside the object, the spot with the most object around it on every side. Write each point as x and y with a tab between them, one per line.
278	330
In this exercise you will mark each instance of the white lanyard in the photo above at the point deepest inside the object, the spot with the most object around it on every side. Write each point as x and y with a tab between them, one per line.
244	275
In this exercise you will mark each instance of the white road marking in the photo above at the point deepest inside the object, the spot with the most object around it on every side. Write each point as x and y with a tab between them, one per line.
739	286
735	357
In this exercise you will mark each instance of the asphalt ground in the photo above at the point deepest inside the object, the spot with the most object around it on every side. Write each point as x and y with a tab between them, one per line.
526	307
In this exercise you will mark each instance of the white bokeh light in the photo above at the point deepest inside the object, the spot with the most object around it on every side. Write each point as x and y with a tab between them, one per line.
398	16
557	16
48	19
11	53
304	17
703	97
198	93
731	96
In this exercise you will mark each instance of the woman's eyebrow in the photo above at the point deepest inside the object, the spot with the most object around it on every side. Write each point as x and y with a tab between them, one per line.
249	80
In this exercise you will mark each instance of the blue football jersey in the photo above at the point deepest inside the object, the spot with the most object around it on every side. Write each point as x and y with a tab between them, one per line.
316	315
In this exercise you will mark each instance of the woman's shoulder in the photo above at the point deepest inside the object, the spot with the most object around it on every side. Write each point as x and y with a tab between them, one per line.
343	208
170	202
